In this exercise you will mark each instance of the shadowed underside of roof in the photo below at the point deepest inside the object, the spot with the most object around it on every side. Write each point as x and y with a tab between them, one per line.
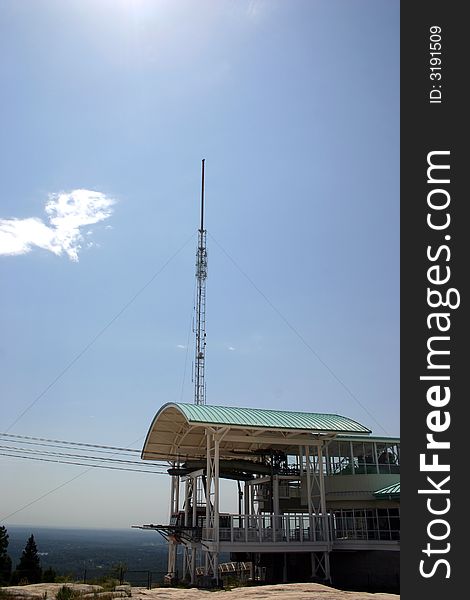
179	429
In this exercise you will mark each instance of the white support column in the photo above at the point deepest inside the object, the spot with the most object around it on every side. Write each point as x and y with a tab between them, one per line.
376	459
311	510
177	493
172	494
328	465
187	556
317	509
321	478
351	452
277	522
172	559
212	525
209	482
187	498
216	485
190	520
174	490
246	498
326	523
211	543
196	487
208	495
216	507
194	500
172	542
276	509
247	508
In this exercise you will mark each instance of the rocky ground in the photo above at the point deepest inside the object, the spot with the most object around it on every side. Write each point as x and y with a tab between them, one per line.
291	591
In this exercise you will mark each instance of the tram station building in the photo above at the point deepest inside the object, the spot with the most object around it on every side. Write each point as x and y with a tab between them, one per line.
318	495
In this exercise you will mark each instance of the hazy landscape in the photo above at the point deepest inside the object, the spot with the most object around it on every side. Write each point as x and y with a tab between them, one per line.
93	553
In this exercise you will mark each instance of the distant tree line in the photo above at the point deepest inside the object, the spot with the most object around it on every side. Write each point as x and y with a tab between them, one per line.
28	570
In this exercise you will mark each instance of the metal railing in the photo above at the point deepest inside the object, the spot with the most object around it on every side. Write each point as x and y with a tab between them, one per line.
352	524
271	529
133	577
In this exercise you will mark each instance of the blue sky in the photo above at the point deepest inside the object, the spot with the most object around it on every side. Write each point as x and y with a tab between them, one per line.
107	109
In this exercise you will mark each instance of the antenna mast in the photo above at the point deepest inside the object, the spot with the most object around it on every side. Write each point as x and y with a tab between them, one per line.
201	276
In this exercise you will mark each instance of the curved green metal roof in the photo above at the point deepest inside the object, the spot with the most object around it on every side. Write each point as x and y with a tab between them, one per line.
266	418
392	491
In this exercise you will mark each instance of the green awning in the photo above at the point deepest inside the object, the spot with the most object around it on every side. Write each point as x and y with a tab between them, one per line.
266	418
390	492
179	430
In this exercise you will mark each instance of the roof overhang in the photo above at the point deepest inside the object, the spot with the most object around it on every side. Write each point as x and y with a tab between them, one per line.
178	431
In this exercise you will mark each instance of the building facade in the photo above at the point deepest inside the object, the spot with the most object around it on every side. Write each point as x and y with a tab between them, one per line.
318	495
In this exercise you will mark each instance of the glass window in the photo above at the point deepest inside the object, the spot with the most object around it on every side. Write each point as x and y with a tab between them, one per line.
388	458
339	454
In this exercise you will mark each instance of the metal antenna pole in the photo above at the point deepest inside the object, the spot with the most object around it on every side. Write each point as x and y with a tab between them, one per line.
201	275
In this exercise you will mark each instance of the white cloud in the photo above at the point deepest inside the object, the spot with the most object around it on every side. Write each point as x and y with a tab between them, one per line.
67	213
231	348
180	346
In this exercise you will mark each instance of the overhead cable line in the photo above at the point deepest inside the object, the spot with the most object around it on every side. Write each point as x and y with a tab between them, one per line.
55	489
98	335
5	517
94	466
190	329
68	445
299	335
77	456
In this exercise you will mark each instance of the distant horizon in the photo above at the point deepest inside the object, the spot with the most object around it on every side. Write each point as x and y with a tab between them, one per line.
78	527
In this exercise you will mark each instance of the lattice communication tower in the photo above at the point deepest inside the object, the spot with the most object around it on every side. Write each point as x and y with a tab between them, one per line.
200	308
